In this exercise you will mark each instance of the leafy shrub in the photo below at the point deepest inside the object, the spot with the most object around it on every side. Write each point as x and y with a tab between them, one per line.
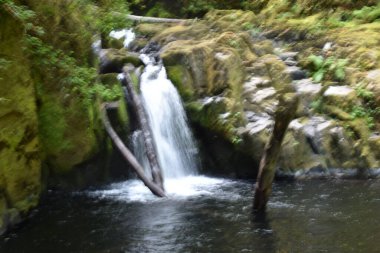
327	68
368	110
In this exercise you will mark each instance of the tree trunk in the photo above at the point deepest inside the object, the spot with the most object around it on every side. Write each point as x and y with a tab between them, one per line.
144	125
284	114
154	188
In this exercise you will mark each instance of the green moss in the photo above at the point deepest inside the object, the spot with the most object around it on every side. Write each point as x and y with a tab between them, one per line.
122	112
52	125
180	78
19	144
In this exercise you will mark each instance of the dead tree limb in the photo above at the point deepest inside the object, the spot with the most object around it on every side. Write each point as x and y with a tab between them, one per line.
284	114
144	125
154	188
157	20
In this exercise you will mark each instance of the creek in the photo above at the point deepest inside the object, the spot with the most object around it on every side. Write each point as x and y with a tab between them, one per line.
207	215
200	214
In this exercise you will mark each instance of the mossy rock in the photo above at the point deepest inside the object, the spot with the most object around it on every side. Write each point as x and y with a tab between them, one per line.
208	113
342	96
113	60
20	160
196	31
374	145
150	30
182	80
372	80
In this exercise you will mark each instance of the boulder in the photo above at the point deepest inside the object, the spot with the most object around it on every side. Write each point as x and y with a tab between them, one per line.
344	96
316	142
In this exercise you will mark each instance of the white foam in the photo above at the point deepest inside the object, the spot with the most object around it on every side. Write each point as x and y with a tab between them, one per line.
127	34
176	188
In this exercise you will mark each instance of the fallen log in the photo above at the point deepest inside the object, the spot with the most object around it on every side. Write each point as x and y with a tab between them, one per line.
284	114
129	157
142	119
157	20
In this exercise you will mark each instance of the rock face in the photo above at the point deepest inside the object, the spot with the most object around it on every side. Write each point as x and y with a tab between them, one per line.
231	82
20	161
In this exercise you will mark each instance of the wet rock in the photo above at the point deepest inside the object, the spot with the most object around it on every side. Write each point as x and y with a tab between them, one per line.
288	56
296	73
316	142
263	94
256	134
307	93
344	96
290	62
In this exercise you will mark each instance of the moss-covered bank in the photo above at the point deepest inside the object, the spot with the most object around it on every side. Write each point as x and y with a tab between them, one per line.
49	96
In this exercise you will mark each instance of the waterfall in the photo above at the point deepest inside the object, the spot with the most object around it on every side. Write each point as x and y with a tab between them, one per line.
176	150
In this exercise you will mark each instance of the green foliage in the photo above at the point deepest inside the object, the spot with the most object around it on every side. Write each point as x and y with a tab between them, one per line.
247	26
364	93
368	110
111	15
233	43
317	105
158	10
368	14
359	111
327	68
197	7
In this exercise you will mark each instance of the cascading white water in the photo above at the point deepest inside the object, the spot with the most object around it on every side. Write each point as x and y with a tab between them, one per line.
176	150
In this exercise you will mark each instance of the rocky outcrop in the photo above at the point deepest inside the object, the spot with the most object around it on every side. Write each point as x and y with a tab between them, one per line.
231	81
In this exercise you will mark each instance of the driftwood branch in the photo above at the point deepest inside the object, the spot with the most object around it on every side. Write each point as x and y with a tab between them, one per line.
144	126
157	20
154	188
284	114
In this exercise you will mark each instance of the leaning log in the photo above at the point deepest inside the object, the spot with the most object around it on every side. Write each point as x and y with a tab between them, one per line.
129	157
284	114
142	119
157	20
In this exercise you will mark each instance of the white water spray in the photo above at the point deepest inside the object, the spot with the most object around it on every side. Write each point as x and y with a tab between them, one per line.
127	34
176	150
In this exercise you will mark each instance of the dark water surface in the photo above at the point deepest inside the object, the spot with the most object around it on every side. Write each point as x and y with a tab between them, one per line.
310	216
